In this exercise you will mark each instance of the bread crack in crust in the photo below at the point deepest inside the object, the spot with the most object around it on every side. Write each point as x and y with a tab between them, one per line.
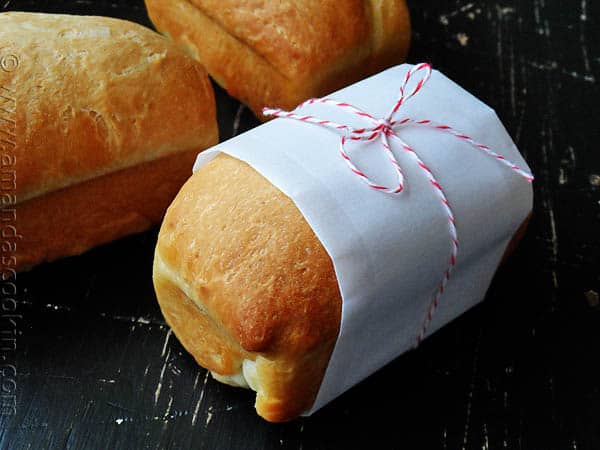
279	53
108	117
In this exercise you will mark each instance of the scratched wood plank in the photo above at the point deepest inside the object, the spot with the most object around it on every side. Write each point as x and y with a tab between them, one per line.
98	367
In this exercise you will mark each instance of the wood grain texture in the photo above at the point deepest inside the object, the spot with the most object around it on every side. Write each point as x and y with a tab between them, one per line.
97	367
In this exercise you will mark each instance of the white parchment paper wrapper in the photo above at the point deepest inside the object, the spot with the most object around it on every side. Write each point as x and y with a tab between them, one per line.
390	251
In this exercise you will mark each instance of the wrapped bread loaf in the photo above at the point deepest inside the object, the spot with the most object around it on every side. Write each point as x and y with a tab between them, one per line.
248	288
279	53
280	269
102	120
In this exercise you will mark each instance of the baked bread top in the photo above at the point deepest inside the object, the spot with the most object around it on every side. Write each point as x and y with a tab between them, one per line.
94	95
279	53
247	253
295	37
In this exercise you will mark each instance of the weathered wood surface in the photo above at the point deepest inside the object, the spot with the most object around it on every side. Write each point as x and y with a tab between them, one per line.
98	369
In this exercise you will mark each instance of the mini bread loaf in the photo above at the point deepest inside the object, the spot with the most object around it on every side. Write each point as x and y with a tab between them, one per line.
279	53
101	121
248	288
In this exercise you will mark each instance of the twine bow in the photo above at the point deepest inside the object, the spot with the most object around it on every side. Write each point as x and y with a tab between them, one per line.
384	128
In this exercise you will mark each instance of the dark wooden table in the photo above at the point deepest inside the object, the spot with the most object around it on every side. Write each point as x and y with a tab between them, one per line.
98	369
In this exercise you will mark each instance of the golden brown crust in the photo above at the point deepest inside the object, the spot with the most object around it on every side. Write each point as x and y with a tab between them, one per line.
287	386
390	25
236	247
72	220
296	37
197	331
256	263
95	95
279	53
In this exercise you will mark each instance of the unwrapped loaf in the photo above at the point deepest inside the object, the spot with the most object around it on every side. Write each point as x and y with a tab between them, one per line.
103	119
279	53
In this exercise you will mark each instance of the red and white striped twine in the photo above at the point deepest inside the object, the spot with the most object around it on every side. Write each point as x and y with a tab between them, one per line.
383	129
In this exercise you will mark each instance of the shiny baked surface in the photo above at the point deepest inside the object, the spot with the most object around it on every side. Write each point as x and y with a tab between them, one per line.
279	53
96	95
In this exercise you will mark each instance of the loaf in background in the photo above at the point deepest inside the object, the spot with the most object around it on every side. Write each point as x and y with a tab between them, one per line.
104	120
280	53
